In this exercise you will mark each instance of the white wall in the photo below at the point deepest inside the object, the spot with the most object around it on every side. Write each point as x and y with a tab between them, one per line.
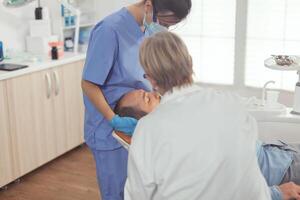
14	21
14	25
105	8
14	28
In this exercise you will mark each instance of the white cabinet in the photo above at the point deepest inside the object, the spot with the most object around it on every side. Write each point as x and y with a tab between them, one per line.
7	166
73	103
68	105
31	120
285	131
42	118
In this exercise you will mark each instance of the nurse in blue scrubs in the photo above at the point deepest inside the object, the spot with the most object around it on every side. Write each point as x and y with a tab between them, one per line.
112	69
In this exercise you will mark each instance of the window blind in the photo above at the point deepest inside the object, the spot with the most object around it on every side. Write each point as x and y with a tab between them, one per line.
209	33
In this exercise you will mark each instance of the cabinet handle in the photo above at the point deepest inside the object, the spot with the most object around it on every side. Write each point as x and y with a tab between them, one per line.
57	83
49	85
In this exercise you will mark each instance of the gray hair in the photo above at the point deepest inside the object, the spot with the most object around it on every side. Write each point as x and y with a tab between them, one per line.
166	60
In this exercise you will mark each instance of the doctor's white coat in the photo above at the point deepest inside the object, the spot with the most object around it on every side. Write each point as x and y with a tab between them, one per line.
197	144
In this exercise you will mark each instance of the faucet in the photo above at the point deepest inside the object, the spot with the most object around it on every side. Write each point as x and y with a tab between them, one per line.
263	96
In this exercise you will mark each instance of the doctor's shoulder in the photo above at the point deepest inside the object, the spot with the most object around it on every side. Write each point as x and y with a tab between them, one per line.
150	124
224	101
110	23
103	27
226	96
146	132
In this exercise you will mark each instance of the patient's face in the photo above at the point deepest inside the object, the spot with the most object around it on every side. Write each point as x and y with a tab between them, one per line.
145	101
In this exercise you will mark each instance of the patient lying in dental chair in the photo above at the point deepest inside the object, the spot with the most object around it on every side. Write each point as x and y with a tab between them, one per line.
279	162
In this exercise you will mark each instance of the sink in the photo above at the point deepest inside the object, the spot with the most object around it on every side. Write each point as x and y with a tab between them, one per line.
259	111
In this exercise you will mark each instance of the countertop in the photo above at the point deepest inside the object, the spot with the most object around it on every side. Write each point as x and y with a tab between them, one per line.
39	66
283	118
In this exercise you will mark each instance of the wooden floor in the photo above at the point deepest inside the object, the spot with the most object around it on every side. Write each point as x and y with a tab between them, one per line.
70	177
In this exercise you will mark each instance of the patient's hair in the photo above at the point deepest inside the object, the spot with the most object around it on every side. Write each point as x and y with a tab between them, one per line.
128	111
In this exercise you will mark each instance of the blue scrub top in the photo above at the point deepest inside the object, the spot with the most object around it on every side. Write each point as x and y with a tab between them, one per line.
112	63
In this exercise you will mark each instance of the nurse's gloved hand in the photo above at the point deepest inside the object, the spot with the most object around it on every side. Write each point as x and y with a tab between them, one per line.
123	124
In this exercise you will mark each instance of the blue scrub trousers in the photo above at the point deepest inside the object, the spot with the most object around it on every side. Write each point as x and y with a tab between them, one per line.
111	172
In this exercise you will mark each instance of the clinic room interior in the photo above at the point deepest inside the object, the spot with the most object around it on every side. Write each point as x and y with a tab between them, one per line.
149	99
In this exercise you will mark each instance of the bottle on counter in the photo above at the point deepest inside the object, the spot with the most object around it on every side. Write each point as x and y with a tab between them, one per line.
54	53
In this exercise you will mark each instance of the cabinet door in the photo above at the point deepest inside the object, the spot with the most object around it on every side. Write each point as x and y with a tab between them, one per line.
7	167
31	120
73	103
59	113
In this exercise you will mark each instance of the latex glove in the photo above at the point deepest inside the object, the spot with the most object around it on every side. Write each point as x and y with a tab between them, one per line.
123	124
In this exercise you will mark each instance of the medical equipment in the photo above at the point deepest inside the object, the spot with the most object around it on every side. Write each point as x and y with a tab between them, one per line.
297	98
73	19
153	27
11	67
69	44
1	51
38	12
283	60
287	63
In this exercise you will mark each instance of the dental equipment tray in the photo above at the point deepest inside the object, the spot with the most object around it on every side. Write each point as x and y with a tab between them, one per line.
11	67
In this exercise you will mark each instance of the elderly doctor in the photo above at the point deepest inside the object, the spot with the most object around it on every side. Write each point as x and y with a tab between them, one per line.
198	143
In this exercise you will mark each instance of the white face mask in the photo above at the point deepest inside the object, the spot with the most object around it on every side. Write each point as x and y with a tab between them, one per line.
153	27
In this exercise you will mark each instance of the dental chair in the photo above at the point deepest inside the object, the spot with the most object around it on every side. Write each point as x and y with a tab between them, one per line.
122	138
283	127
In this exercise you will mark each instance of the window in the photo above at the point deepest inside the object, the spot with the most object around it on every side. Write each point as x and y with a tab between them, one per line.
270	27
209	35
